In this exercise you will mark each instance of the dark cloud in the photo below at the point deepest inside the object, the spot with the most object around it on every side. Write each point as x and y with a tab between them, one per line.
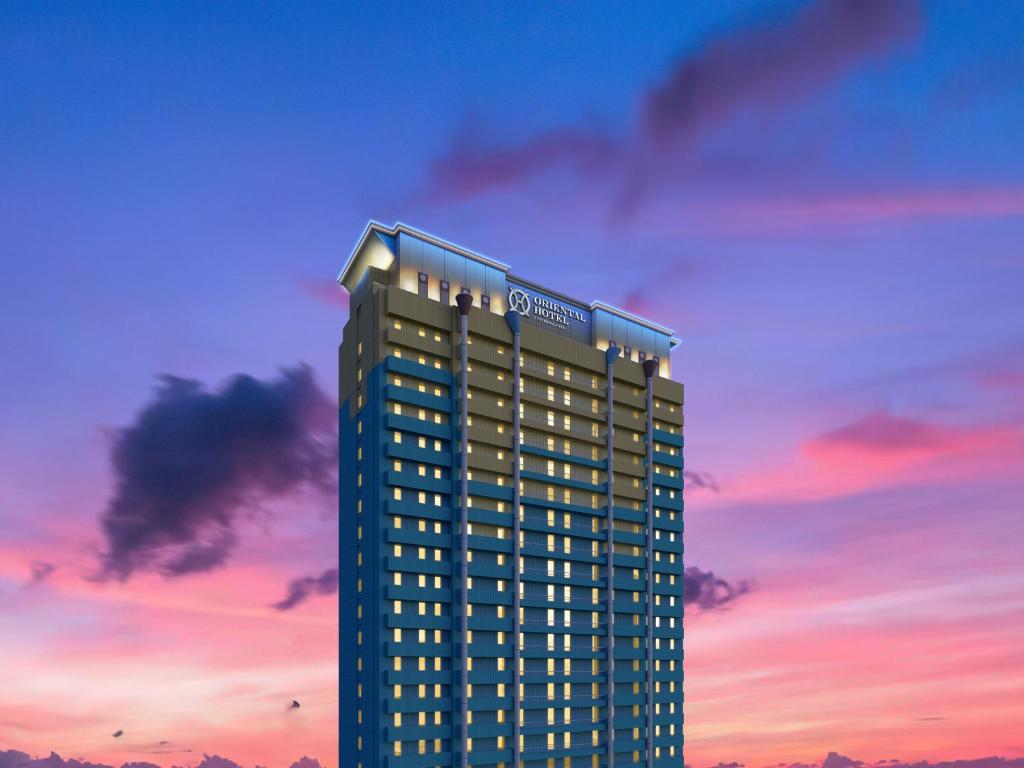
703	480
194	460
707	592
766	65
306	762
301	589
40	570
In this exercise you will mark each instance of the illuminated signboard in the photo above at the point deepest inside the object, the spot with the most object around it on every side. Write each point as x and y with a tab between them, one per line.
549	312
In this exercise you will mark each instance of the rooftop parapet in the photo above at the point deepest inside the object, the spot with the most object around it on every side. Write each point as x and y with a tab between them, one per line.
439	270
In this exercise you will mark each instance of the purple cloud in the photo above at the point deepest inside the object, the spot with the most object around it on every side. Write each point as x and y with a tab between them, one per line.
707	592
301	589
15	759
835	760
704	480
470	169
772	64
216	761
194	459
766	65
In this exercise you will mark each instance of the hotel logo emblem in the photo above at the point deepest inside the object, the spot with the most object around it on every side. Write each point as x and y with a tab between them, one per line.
518	301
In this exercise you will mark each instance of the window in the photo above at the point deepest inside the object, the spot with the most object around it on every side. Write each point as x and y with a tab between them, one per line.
445	299
423	284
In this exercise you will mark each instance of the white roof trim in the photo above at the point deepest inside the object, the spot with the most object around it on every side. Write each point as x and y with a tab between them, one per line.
631	317
375	226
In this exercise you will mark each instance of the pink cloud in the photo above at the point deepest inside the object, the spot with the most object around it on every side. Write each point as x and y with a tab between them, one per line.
325	291
875	450
781	215
880	442
881	432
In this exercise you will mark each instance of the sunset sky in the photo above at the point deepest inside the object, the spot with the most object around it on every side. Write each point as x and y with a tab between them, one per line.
825	201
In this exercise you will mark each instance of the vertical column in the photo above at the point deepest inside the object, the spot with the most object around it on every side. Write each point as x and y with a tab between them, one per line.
650	367
464	301
512	318
611	354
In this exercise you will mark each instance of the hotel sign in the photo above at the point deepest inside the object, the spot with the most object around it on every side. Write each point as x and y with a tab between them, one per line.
549	312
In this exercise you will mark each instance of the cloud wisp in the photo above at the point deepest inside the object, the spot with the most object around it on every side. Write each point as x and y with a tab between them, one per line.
771	64
880	440
305	587
470	168
195	460
763	66
700	480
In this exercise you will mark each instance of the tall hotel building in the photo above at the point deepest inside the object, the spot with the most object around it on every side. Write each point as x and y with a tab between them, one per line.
511	520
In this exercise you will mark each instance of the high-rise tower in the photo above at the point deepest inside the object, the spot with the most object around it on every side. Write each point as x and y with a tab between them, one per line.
511	520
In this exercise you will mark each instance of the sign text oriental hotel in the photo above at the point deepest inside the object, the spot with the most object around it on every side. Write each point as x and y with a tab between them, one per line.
511	520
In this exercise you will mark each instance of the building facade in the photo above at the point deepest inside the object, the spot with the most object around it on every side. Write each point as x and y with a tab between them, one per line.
511	520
